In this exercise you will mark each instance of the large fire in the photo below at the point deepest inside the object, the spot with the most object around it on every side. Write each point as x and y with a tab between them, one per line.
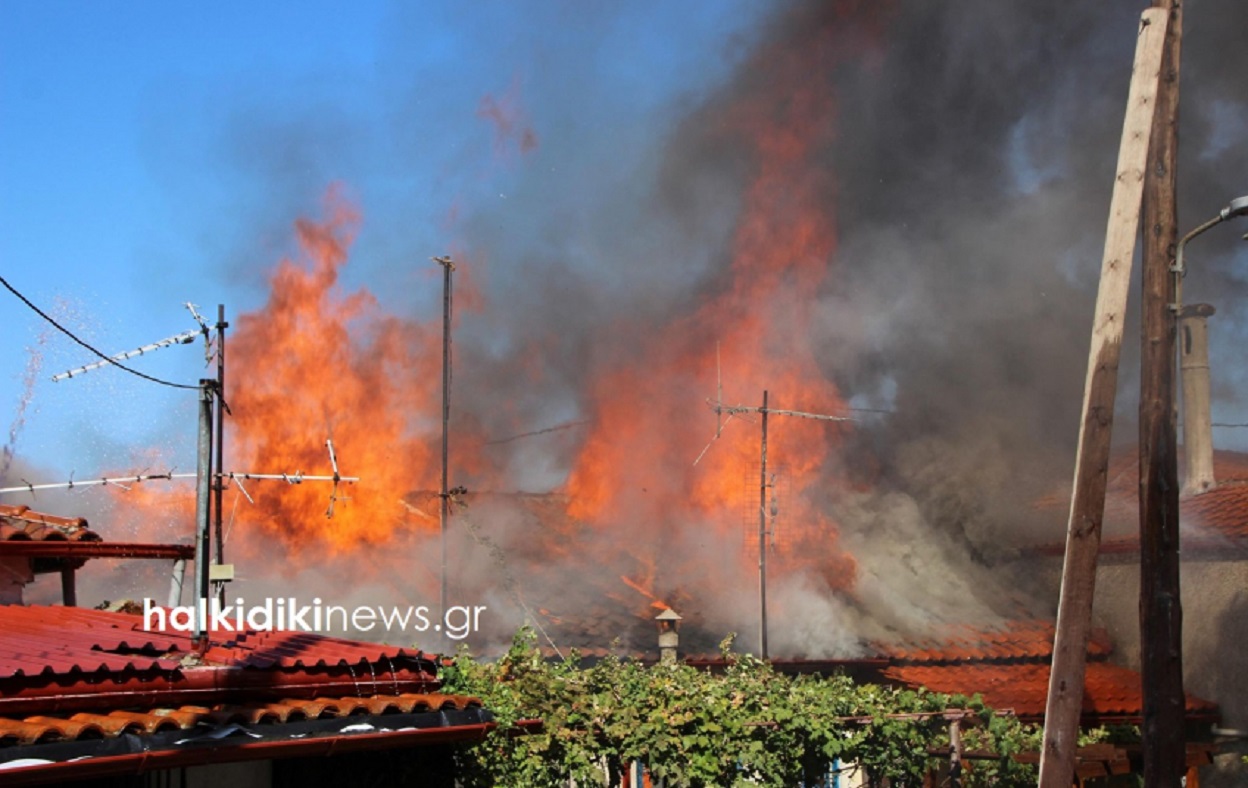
314	363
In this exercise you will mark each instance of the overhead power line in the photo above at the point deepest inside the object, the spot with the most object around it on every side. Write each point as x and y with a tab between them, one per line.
71	335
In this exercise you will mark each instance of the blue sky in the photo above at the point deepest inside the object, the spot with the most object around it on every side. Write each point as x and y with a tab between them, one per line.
155	153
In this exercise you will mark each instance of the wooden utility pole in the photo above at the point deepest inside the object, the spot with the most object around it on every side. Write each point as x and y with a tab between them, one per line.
1087	506
1161	612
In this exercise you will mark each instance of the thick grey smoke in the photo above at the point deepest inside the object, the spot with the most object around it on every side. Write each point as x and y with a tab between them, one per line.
969	166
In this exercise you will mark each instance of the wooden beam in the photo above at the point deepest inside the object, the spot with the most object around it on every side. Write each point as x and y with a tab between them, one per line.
69	591
1087	507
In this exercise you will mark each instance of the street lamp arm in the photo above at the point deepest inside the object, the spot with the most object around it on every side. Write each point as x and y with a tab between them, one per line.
1236	207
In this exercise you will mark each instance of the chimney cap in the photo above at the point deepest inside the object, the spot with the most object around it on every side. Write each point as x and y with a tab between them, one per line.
668	615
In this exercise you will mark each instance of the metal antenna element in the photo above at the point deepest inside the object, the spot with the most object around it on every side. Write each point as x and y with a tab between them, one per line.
298	477
118	481
291	478
243	490
185	338
333	495
203	325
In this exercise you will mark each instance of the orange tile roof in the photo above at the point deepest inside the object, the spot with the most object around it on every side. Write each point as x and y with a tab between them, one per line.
1110	692
1220	512
33	534
87	660
1008	666
39	729
75	684
1028	639
1214	523
19	523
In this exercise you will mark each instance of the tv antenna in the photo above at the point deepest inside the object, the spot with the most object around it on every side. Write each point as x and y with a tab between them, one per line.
210	477
731	411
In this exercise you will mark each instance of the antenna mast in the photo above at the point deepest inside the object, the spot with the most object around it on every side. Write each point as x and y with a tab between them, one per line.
444	495
720	409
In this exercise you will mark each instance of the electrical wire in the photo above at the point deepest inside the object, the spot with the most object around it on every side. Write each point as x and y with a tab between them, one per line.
70	334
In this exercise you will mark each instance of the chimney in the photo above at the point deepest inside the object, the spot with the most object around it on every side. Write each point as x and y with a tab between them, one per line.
669	638
1197	422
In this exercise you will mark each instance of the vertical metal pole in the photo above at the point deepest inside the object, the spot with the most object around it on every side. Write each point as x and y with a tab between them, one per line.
444	510
203	507
762	539
218	481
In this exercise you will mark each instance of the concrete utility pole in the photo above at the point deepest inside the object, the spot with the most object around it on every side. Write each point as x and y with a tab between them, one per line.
1161	611
1194	380
1087	506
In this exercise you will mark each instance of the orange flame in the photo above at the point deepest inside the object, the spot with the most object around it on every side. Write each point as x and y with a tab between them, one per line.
636	464
316	363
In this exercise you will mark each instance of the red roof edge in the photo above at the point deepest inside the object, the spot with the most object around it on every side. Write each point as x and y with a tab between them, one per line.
228	752
204	686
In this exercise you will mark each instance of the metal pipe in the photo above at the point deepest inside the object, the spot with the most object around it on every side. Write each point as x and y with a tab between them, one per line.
762	538
444	510
56	548
1236	207
203	505
218	482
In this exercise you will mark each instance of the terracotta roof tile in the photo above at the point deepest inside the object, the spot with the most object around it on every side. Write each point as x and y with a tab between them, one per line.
1214	523
1110	691
1012	641
19	523
92	661
39	729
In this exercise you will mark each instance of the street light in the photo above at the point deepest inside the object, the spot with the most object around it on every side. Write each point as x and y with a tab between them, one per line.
1236	207
1193	365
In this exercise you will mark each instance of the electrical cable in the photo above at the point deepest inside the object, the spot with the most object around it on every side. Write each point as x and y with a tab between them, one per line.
70	334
